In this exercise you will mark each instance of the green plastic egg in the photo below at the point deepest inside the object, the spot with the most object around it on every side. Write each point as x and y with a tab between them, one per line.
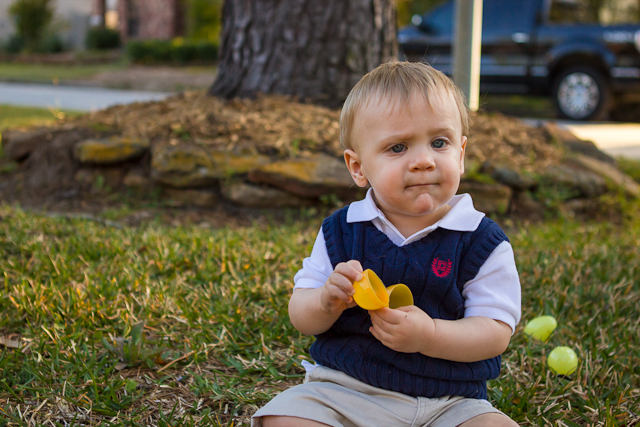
562	361
541	327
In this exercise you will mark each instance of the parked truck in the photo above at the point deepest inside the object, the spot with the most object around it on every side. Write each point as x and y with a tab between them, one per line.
539	47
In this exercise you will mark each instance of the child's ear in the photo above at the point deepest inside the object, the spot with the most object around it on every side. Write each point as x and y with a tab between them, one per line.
354	165
464	146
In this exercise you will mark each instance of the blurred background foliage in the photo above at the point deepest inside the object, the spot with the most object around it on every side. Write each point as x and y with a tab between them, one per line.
33	20
408	8
204	19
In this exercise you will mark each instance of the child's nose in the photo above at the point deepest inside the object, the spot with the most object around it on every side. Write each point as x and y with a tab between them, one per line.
422	158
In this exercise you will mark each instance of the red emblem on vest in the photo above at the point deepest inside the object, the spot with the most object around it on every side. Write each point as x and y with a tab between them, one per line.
441	268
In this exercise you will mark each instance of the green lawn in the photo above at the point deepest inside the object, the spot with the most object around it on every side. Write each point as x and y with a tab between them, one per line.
13	116
51	73
630	166
166	325
519	105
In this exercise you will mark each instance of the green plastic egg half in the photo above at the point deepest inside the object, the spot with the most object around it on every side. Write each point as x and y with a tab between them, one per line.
541	327
562	361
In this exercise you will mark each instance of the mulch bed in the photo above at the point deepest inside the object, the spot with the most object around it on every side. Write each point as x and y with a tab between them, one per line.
281	127
276	126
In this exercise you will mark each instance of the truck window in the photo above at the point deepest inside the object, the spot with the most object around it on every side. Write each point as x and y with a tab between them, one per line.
508	16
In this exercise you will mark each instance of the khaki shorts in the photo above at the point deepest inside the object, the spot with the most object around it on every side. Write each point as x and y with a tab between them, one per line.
334	398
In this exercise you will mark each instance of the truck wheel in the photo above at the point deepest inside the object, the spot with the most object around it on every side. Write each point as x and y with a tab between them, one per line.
581	93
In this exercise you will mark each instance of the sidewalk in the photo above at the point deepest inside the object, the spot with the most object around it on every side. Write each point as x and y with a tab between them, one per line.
71	97
615	139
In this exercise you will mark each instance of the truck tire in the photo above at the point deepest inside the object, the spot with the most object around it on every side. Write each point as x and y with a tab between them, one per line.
581	93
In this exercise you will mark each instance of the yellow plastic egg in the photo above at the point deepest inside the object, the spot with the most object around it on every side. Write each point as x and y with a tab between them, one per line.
371	294
562	361
541	327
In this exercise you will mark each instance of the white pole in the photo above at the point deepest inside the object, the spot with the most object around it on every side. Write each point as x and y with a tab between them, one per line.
466	49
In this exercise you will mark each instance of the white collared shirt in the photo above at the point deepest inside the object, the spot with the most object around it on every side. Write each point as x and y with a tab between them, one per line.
493	293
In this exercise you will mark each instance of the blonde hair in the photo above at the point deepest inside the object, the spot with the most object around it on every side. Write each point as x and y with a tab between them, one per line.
399	81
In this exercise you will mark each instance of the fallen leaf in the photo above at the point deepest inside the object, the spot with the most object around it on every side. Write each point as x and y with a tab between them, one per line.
9	343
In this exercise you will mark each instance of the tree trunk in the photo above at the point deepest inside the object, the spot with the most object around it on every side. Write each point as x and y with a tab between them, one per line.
313	50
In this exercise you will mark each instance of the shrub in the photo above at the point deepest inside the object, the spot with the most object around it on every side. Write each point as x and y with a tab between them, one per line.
204	19
15	44
177	51
32	19
50	44
101	38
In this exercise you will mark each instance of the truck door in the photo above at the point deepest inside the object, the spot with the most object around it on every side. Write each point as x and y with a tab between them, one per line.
507	36
437	29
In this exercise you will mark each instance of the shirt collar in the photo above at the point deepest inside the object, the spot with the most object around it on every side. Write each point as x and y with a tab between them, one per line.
462	216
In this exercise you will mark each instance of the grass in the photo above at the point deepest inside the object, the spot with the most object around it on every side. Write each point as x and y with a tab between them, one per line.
519	105
630	166
185	325
15	117
166	325
11	71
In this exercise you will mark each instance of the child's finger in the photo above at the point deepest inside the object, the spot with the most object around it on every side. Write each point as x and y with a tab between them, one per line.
389	315
337	293
342	290
380	324
356	264
381	335
352	270
341	282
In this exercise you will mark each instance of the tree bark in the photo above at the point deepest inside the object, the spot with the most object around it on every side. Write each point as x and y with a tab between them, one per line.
313	50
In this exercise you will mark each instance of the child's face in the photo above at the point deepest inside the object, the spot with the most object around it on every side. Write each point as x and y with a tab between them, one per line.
413	157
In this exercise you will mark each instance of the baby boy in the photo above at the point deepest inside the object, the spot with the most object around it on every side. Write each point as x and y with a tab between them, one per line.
404	129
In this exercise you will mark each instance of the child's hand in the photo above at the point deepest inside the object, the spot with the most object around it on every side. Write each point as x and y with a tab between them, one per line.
405	329
337	292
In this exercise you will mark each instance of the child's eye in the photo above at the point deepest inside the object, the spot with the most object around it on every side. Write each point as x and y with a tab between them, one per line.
398	148
439	143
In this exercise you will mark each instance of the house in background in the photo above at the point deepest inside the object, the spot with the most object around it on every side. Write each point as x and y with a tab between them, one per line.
141	19
135	19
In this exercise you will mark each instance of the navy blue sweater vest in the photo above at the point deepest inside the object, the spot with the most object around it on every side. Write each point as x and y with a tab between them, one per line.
435	268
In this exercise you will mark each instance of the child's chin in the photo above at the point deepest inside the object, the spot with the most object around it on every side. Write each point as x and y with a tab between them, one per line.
429	209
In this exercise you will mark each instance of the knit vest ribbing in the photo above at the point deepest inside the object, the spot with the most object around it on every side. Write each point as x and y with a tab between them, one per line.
435	268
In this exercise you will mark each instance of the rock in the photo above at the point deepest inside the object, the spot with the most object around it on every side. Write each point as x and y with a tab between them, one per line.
509	177
228	164
579	206
576	144
137	180
488	198
182	166
307	177
523	205
51	167
609	173
110	151
193	166
578	182
189	197
99	179
18	145
259	196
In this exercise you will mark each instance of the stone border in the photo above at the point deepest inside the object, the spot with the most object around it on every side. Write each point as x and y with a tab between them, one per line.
71	159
